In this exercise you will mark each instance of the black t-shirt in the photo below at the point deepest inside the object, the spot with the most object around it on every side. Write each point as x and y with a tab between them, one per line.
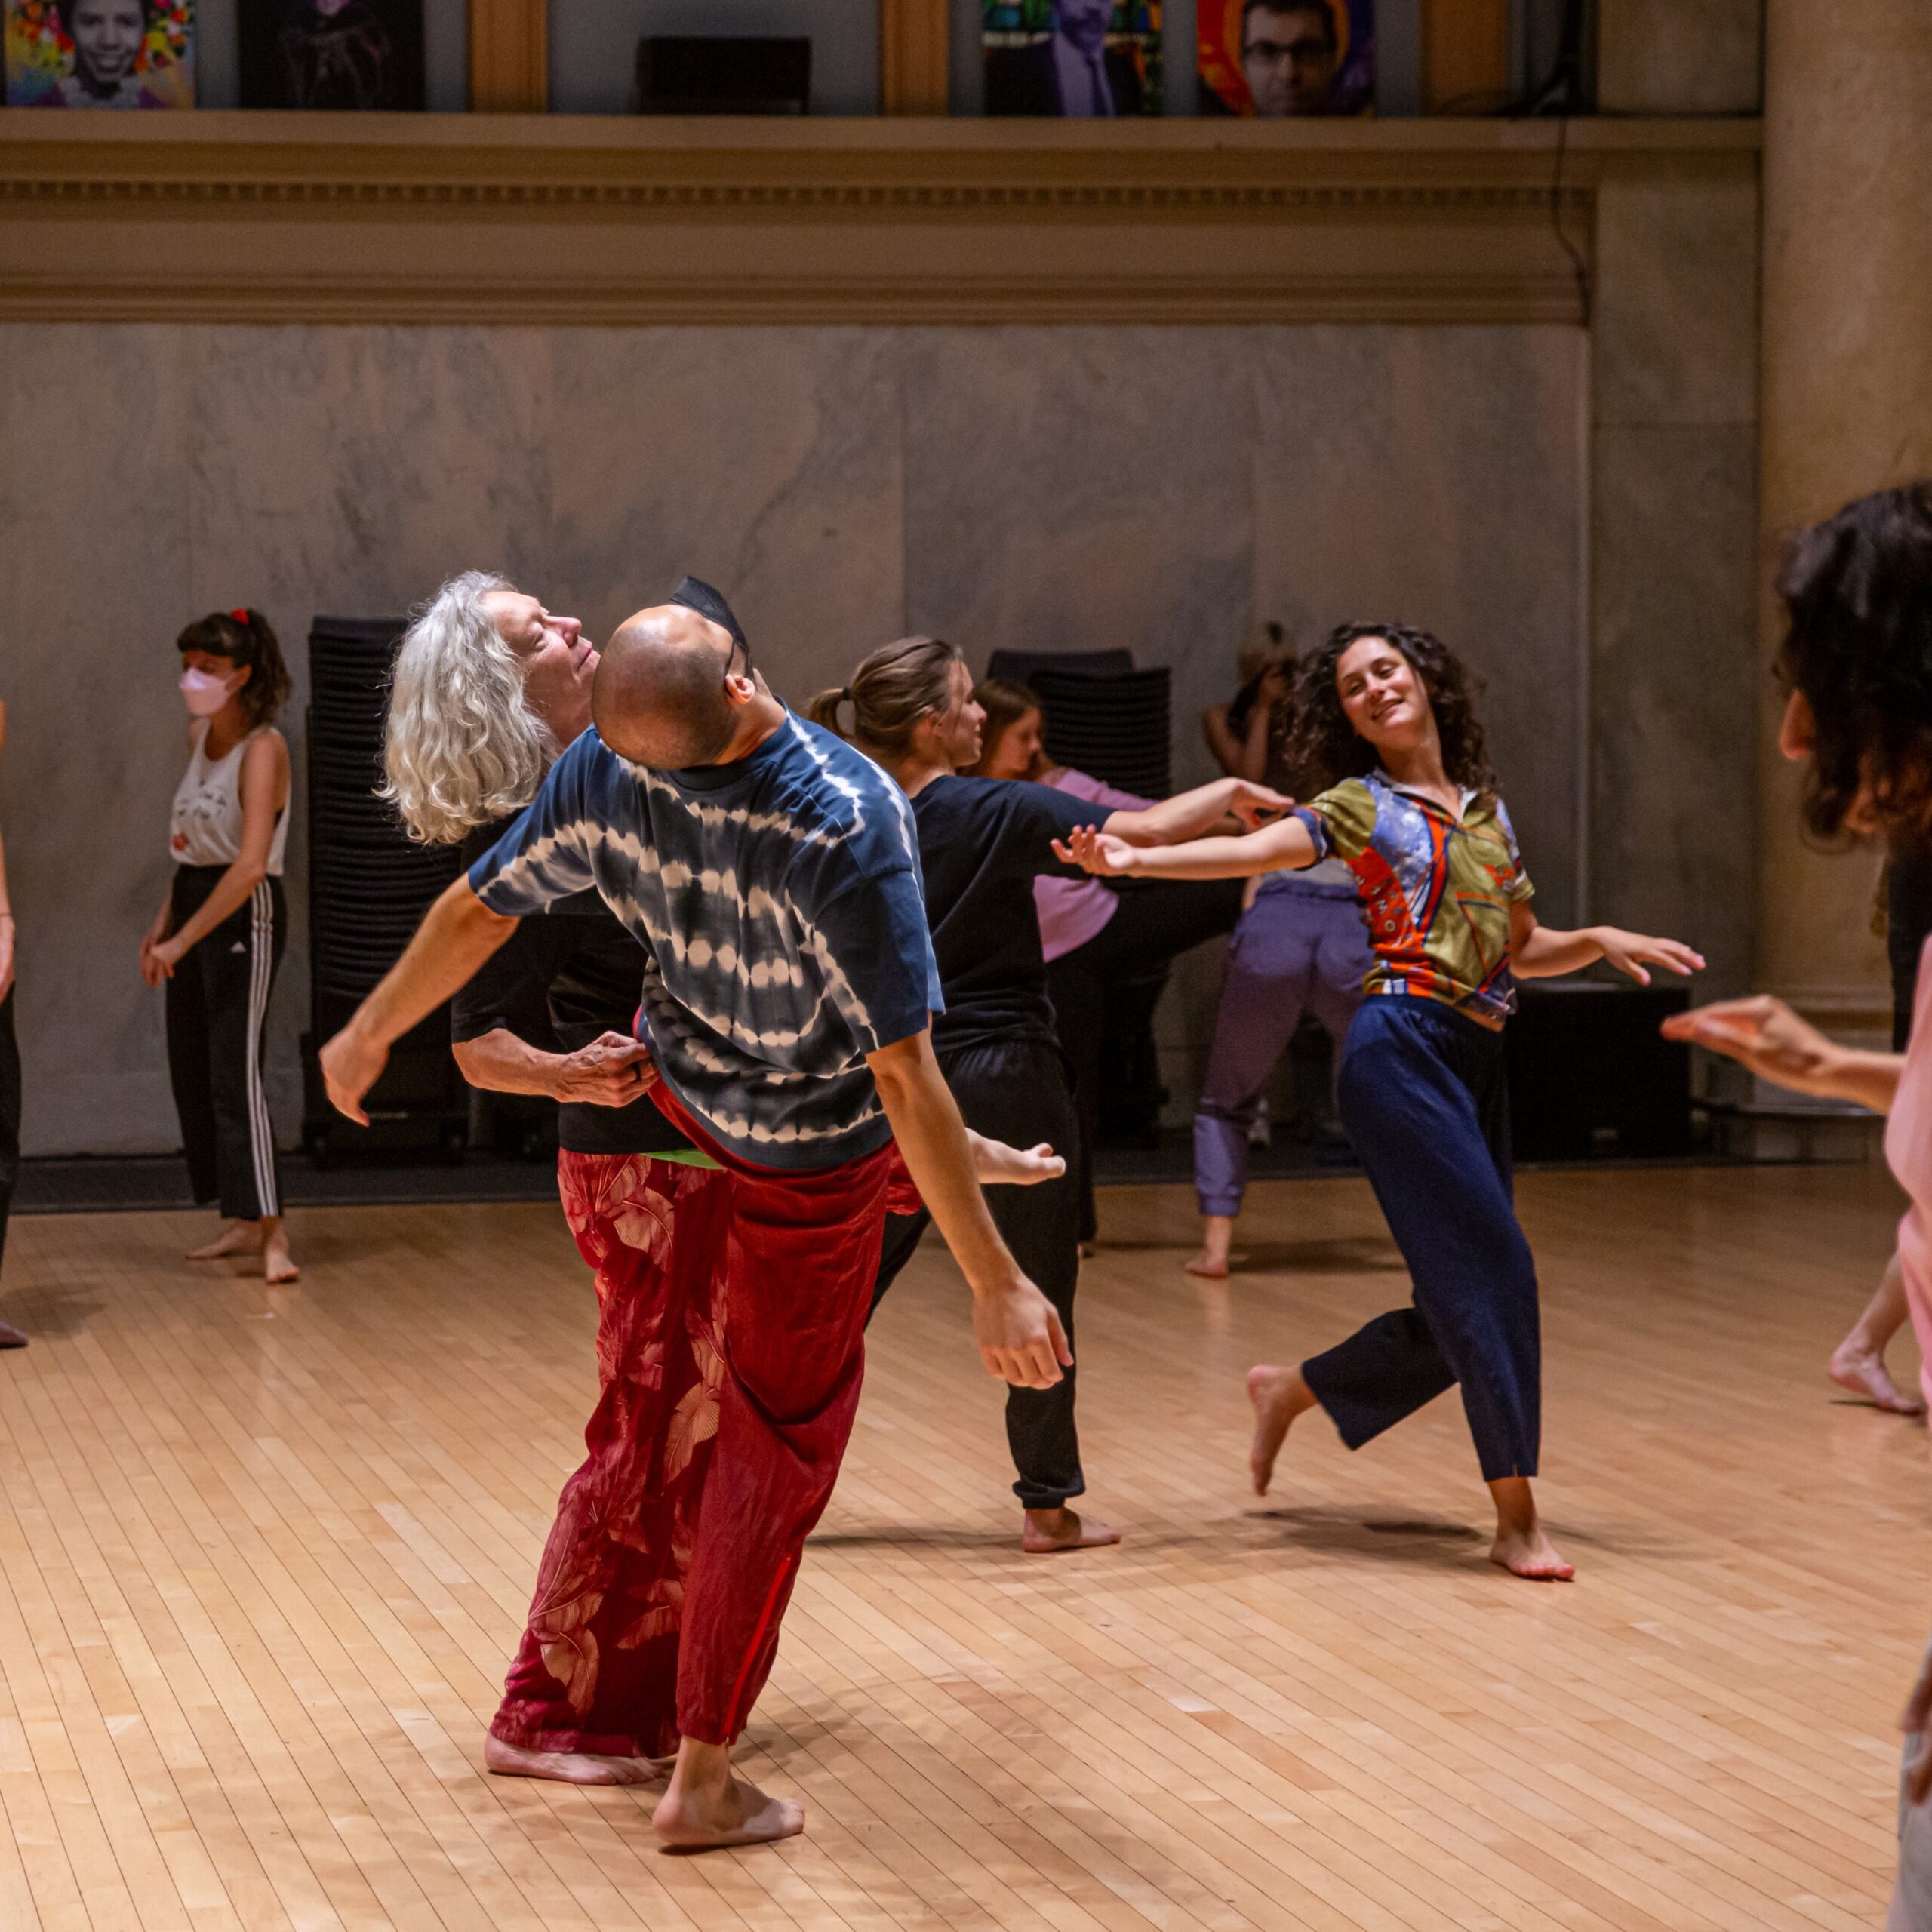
556	983
983	842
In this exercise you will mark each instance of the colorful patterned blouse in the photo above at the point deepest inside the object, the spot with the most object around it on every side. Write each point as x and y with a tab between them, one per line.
1436	891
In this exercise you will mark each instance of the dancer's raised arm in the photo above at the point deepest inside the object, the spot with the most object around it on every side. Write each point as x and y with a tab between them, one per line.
1286	845
1193	815
1764	1035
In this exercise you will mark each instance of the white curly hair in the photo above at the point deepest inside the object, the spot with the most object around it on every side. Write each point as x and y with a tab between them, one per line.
463	747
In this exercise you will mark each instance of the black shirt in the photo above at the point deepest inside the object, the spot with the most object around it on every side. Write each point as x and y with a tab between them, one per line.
983	842
556	983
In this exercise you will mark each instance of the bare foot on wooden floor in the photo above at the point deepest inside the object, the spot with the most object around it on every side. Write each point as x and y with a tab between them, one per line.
1863	1372
277	1264
1217	1234
1279	1396
511	1761
1529	1553
709	1808
235	1238
1048	1530
1520	1546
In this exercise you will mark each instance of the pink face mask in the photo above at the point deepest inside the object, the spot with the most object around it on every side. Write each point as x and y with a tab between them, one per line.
204	693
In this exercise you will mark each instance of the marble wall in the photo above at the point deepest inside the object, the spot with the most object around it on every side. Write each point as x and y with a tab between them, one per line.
1081	487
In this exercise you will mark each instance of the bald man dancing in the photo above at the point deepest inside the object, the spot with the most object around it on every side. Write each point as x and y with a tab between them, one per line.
771	872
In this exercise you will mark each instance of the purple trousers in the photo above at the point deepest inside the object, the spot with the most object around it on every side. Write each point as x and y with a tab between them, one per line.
1300	948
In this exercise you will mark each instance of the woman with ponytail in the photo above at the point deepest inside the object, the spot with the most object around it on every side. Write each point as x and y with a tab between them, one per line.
983	842
217	941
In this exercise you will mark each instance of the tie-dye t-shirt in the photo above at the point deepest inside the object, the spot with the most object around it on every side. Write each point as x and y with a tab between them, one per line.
778	902
1435	890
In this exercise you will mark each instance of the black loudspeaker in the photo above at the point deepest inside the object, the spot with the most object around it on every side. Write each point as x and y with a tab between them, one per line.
1017	667
369	886
1591	1077
720	74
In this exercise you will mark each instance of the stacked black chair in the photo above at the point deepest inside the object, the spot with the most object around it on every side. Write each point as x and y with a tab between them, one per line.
1017	667
1113	724
369	886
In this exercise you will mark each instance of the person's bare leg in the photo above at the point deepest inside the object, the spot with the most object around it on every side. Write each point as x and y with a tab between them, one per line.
1520	1546
235	1238
278	1264
1217	1234
1279	1396
1047	1530
1858	1362
707	1809
511	1761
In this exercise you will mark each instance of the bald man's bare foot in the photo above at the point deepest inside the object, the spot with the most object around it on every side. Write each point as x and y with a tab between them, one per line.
1520	1546
511	1761
1217	1234
1279	1396
708	1809
1863	1372
235	1238
1047	1530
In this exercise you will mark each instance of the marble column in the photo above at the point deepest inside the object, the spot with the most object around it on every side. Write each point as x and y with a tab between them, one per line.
1846	399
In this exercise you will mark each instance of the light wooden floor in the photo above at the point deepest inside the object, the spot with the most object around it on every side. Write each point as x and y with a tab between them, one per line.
263	1554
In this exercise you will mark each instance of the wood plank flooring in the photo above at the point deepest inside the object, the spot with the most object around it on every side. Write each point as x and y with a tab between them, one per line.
264	1554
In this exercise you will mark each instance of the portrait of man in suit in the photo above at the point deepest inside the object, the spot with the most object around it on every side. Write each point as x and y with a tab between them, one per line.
1071	73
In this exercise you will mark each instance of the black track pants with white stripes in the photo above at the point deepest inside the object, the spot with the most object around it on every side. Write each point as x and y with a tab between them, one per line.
218	1010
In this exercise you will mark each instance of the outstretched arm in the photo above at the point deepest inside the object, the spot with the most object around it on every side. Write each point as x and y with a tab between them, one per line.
1284	846
1765	1035
1020	1337
459	933
1541	952
1190	815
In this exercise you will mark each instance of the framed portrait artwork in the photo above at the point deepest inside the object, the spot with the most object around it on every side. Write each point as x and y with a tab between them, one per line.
100	53
1076	60
1274	58
343	54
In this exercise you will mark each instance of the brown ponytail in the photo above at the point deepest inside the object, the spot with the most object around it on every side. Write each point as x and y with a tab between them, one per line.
244	637
896	687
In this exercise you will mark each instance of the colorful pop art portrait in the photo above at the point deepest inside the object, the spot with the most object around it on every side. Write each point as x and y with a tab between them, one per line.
1273	59
101	53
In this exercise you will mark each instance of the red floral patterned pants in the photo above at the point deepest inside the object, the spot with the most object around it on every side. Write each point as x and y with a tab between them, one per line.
598	1668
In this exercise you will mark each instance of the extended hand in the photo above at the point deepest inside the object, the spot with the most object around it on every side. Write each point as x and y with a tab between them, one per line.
352	1063
1096	851
1020	1338
613	1071
996	1164
1761	1032
1630	952
1258	804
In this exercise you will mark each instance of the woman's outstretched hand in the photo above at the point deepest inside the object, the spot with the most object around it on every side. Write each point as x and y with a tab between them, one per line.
998	1165
1631	952
1096	851
1257	805
1761	1033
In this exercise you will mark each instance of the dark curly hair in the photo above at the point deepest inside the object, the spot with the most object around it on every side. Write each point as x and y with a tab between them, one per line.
245	638
1324	748
1857	591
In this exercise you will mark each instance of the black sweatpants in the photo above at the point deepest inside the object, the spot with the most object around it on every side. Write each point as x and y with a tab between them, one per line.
1157	920
1016	1091
217	1008
9	1113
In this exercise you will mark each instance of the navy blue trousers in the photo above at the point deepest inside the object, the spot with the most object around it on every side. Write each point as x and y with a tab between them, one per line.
1425	1099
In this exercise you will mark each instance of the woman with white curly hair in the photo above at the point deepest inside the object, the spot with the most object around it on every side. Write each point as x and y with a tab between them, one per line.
489	688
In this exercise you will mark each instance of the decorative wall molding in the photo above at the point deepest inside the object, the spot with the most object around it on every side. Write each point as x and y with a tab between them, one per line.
500	218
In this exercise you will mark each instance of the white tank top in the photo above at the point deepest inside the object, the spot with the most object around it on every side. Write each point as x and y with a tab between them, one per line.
205	829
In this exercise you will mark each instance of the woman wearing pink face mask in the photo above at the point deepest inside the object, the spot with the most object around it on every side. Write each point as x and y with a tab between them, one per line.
218	938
